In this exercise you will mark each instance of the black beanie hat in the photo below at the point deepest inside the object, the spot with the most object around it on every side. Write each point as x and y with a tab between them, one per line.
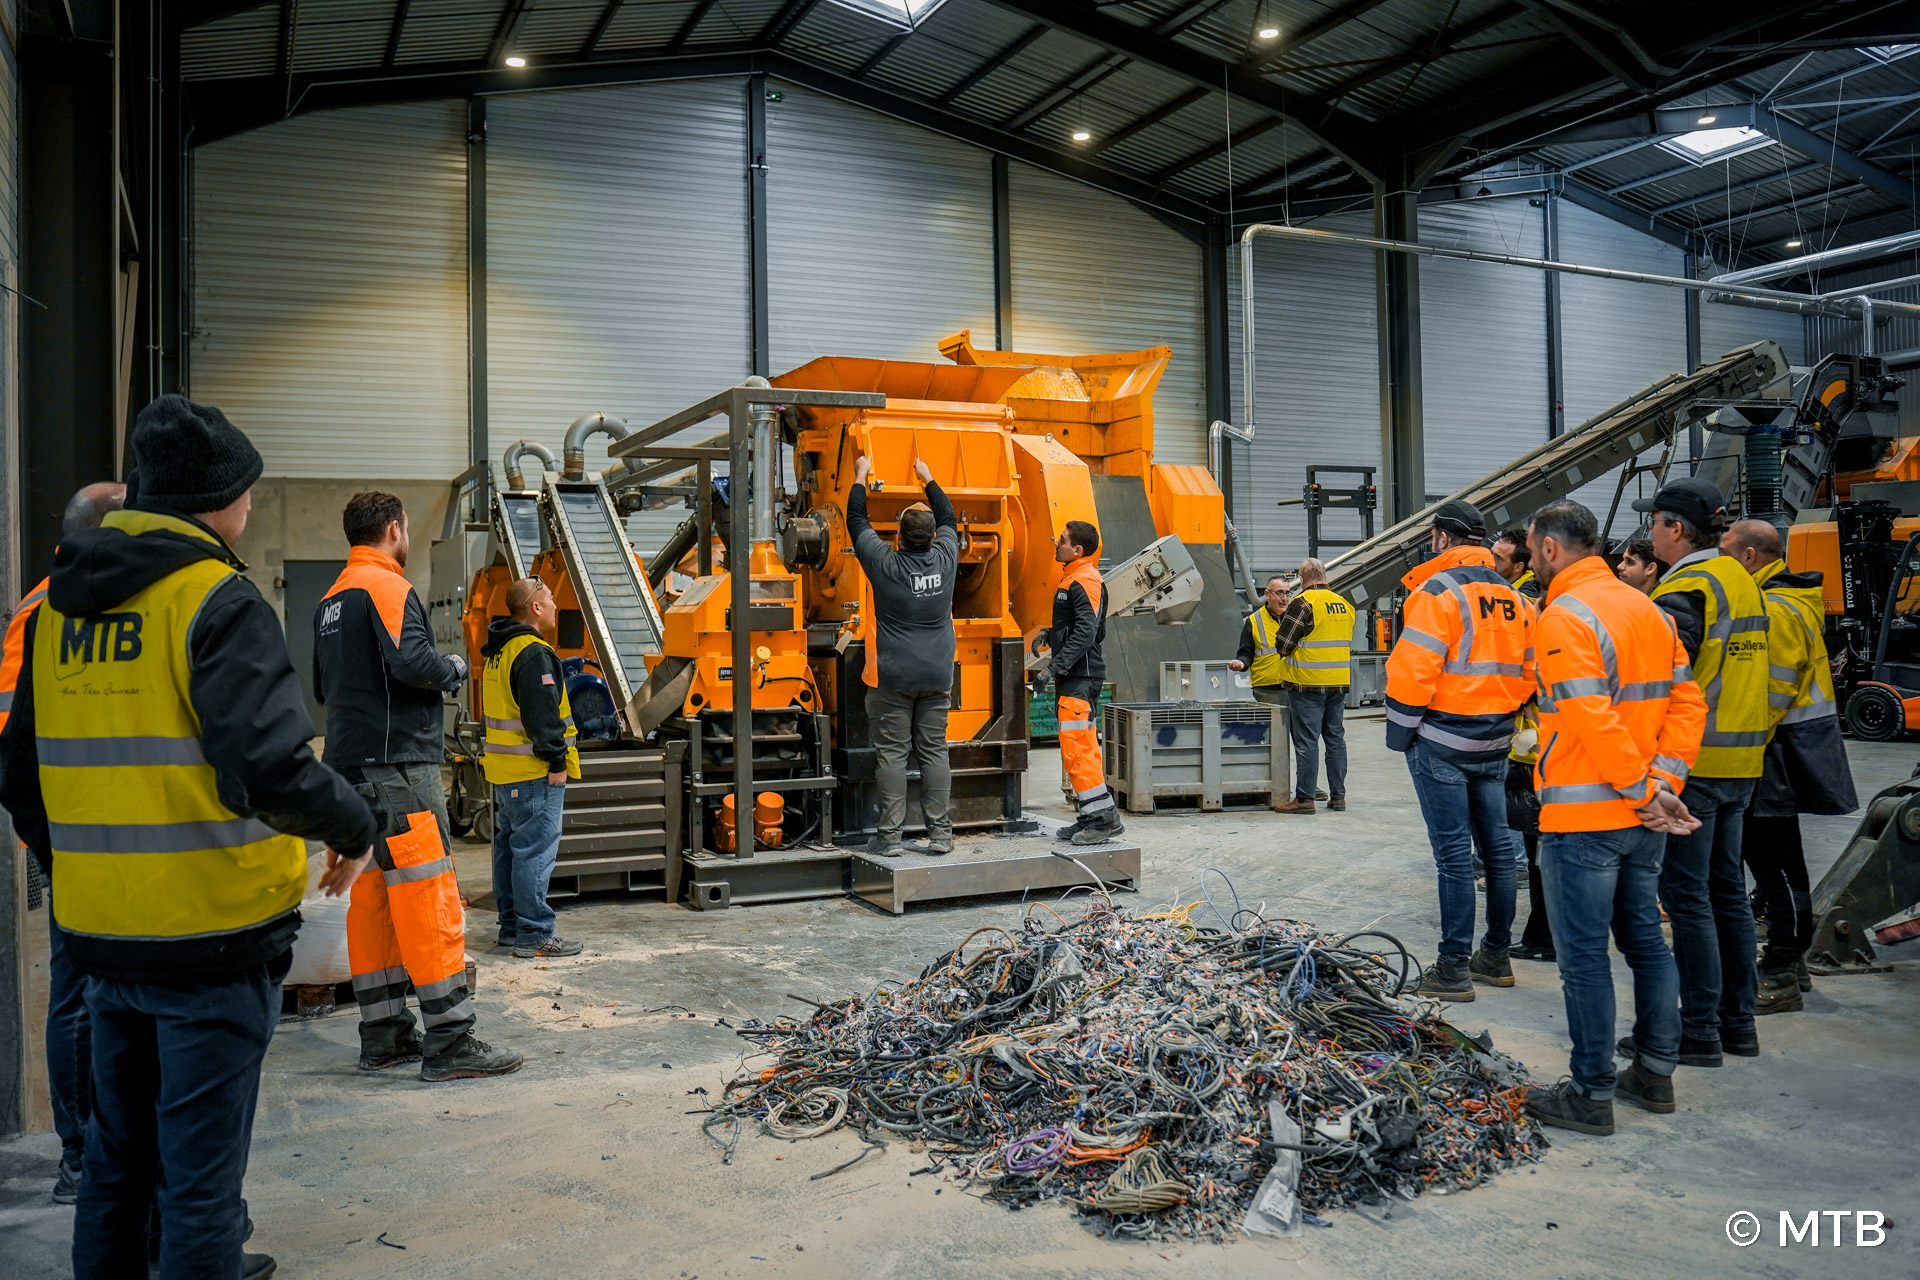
190	458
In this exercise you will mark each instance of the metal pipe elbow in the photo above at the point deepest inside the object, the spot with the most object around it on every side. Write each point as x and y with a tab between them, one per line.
510	461
573	448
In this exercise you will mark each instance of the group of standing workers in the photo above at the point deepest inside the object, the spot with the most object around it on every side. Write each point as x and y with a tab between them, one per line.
156	762
1648	734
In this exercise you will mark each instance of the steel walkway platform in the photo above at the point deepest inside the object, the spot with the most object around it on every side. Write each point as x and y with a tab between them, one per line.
998	864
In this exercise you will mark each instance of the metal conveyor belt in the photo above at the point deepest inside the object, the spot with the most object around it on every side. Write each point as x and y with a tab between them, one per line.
619	611
517	525
1372	571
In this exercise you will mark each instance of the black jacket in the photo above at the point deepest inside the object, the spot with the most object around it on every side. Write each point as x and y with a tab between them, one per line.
913	641
1078	636
536	680
253	731
376	671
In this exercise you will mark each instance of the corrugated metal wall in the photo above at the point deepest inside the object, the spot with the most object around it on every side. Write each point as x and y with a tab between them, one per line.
1618	337
1483	341
331	290
879	234
1724	327
1092	273
616	260
1316	383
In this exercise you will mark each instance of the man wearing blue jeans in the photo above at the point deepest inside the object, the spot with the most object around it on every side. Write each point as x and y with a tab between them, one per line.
530	755
1620	720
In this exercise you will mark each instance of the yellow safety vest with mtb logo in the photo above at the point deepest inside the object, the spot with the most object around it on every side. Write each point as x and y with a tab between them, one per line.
118	739
510	755
1731	668
1324	655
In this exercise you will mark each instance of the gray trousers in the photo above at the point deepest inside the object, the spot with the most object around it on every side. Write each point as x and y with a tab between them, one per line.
903	720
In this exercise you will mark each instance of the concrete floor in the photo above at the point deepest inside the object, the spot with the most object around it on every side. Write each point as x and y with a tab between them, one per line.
586	1164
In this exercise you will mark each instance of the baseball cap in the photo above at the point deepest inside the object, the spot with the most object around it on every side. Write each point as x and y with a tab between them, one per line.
1691	498
1456	516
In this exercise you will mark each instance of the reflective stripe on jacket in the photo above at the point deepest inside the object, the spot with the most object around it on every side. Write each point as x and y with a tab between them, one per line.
15	648
1324	655
1464	660
1731	666
1078	636
1267	662
144	848
509	756
1618	705
1799	673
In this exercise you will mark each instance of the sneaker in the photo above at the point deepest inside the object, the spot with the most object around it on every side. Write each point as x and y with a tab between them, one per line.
1565	1107
1491	968
547	948
1645	1089
1338	804
1693	1053
1295	806
1100	828
935	845
1546	955
1740	1045
66	1182
470	1059
1779	993
257	1266
1446	980
504	944
1800	971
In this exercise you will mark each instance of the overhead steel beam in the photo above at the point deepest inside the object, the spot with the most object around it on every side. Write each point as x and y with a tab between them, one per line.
688	27
1785	175
881	54
1596	201
1784	206
395	31
1213	150
1811	144
1089	75
222	108
1139	124
1352	137
790	16
1430	49
510	19
1300	37
1007	53
600	25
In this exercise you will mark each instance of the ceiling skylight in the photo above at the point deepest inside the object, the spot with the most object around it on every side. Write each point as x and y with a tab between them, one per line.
1889	52
1703	145
907	13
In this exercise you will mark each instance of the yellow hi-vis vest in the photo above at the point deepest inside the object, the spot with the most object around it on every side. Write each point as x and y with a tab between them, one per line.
510	755
1731	668
143	848
1324	655
1267	663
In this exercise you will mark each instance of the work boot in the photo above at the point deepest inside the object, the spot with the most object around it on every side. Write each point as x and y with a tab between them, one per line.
470	1059
1779	993
1072	829
1693	1052
257	1266
1295	806
1565	1107
1491	967
1545	955
66	1182
880	847
388	1042
548	948
1740	1045
1645	1089
1319	794
1100	828
1800	972
932	845
1446	980
1338	804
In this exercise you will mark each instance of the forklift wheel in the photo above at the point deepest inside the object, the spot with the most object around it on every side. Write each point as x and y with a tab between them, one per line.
1875	715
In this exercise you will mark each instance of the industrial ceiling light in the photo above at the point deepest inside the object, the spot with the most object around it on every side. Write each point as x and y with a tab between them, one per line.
1705	120
1794	244
1081	135
1703	145
516	61
1269	33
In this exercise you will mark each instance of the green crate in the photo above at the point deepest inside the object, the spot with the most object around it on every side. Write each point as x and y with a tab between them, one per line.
1043	719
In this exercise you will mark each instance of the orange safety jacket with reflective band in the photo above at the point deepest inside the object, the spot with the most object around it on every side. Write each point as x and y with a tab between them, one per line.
16	649
1464	660
1618	703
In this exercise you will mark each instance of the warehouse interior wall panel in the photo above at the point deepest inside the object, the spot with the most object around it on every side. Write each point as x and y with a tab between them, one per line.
617	262
1723	327
1618	338
1093	273
330	290
1316	382
879	234
1483	346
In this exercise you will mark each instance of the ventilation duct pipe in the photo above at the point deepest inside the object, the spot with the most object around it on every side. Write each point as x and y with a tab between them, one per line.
574	447
510	460
1824	260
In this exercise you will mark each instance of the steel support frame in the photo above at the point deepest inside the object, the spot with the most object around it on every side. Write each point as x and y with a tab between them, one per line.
1556	347
759	305
1218	341
479	447
1695	436
1397	312
1002	196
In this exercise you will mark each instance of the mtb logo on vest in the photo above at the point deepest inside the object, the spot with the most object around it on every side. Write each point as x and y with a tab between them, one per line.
106	637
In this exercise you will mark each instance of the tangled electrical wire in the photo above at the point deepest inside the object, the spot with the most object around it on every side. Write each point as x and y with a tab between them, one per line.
1137	1066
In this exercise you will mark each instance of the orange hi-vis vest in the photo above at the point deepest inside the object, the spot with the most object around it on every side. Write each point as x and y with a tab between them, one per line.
1464	661
16	649
1618	704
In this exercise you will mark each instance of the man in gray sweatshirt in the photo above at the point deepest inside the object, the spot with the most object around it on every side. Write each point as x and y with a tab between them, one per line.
909	669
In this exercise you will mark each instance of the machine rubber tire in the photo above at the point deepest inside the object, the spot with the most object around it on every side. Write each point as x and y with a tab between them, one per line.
1875	715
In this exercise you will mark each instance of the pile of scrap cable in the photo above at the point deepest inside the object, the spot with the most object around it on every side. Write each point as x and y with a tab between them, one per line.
1166	1079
